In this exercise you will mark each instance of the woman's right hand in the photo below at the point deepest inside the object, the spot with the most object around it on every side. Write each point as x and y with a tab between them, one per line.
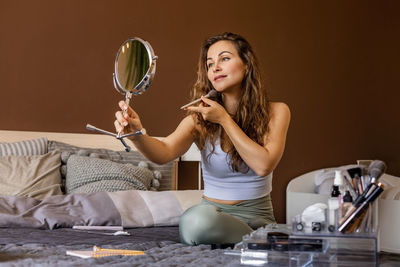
128	122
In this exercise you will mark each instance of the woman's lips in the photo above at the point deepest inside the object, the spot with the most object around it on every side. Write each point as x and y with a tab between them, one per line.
219	77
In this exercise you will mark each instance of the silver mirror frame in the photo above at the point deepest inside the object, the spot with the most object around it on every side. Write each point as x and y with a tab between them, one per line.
144	84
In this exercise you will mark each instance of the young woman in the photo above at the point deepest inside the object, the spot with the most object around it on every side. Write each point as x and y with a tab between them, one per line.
241	136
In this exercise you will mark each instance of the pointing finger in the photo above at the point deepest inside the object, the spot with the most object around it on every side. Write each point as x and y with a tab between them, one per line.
194	109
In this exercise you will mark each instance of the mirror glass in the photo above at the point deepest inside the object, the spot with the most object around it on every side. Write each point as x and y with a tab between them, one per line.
134	66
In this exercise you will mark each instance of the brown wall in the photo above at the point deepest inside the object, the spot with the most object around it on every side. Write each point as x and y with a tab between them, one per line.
334	63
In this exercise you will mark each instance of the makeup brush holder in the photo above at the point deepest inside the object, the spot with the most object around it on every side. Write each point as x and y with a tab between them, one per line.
300	194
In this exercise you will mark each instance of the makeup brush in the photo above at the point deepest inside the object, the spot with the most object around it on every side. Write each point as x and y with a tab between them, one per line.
212	94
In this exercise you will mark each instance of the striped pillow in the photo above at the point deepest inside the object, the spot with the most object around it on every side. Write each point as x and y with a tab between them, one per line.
24	148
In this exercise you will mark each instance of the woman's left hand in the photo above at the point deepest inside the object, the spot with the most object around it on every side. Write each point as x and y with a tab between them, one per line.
211	110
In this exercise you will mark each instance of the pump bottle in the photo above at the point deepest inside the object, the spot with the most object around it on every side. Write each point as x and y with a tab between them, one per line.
339	181
333	208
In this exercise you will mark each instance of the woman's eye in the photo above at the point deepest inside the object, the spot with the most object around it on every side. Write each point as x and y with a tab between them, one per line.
225	58
209	65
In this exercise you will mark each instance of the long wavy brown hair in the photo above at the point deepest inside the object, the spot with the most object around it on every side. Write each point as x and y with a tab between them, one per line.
252	114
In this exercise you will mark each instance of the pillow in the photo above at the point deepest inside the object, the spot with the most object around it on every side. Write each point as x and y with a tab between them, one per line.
133	157
35	176
90	175
24	148
149	208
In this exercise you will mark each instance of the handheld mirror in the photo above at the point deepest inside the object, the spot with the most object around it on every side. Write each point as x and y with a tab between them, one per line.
135	66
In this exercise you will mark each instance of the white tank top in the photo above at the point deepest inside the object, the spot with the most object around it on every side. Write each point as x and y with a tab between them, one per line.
221	182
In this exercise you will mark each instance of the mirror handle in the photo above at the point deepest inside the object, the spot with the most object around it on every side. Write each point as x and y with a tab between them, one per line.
128	97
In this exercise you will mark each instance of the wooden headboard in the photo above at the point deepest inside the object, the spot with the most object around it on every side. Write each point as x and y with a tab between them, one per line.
95	141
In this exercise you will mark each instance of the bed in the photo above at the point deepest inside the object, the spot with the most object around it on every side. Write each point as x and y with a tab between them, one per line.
36	225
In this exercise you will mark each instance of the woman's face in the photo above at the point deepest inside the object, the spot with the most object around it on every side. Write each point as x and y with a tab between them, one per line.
226	69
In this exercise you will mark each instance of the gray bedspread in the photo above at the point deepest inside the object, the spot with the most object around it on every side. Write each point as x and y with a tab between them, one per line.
34	247
38	233
157	254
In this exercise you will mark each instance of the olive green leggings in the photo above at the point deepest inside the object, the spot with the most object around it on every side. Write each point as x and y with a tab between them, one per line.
213	223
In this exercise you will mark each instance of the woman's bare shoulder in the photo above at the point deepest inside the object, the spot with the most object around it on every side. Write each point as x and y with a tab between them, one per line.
279	109
279	121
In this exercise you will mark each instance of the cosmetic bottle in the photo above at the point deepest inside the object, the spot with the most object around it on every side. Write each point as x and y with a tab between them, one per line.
339	181
333	208
347	203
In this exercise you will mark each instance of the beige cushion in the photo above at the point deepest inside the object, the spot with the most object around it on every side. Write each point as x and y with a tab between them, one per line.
33	176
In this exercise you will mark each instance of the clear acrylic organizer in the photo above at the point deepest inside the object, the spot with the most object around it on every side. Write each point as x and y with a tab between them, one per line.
316	245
